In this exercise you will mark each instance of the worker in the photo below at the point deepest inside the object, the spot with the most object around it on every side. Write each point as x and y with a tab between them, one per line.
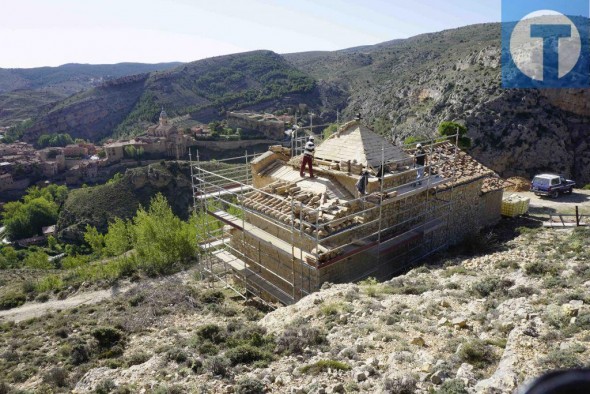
362	183
308	157
420	162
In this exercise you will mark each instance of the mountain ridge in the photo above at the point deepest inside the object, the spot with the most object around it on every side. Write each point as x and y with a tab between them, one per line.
403	88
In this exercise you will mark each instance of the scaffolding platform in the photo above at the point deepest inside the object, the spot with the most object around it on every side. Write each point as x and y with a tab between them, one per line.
288	235
280	245
251	278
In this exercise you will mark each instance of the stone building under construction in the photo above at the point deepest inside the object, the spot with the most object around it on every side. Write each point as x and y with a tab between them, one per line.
278	236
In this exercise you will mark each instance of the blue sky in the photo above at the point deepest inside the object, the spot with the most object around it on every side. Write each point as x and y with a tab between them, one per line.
52	32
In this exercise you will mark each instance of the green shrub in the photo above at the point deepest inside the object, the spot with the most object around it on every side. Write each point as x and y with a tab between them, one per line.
105	386
138	358
562	359
177	354
11	300
107	337
79	354
246	354
324	365
57	377
476	352
488	286
540	268
249	386
218	365
50	283
294	340
212	297
453	386
211	332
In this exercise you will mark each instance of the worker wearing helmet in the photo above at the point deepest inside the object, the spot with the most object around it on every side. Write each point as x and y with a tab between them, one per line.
420	161
308	157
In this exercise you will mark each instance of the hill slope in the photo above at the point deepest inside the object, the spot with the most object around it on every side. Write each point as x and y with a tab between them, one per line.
402	87
407	87
205	88
71	78
24	93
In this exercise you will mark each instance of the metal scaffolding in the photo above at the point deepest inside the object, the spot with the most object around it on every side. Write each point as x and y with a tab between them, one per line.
231	246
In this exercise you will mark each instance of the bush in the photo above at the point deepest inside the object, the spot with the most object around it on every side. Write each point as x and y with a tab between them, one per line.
107	337
50	283
403	385
249	386
80	354
57	377
11	300
246	354
211	332
218	365
562	359
138	358
212	297
544	267
324	365
105	387
294	341
476	352
490	285
177	354
454	386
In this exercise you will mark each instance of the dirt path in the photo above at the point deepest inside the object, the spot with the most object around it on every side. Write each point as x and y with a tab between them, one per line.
37	309
565	204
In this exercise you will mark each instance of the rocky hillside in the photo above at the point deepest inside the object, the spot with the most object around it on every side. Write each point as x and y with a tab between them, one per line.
99	205
204	89
407	87
24	93
71	78
479	324
402	87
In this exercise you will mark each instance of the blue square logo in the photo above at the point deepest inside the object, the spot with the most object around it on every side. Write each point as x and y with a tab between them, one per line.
545	44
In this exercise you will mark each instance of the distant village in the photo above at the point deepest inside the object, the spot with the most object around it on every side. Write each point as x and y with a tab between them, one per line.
22	165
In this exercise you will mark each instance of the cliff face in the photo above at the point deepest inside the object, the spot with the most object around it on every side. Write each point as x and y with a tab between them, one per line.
204	89
407	87
92	114
98	206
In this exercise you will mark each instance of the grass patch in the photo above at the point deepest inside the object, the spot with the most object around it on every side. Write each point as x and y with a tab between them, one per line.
476	352
323	366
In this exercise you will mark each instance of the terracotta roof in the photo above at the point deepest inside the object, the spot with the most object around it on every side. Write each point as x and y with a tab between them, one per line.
355	141
464	168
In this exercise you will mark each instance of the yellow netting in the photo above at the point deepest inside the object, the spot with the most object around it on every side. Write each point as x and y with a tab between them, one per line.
515	205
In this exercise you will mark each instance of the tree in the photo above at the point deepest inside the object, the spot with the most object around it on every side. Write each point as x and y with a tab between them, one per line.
24	220
9	258
38	260
161	239
449	129
55	140
328	131
94	239
118	238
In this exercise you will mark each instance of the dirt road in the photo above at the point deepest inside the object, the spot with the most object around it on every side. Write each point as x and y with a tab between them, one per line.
565	204
37	309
